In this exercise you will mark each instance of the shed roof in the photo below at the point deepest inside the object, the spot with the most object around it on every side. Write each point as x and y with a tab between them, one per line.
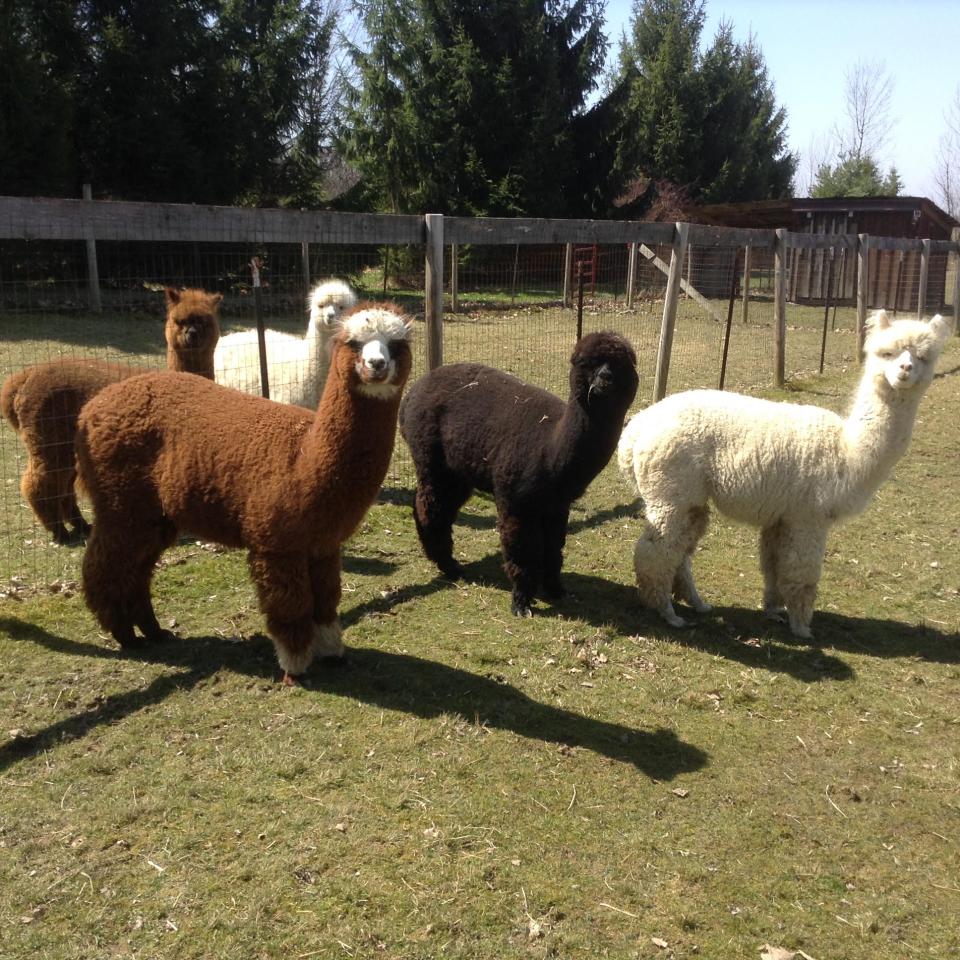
778	213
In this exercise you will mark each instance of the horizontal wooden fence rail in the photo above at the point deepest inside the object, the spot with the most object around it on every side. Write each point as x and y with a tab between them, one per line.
33	218
30	218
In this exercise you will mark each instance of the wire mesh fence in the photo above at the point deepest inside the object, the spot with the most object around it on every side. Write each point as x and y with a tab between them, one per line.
517	306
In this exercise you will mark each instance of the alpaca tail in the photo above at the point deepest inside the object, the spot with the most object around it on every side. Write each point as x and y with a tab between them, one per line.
8	396
625	449
326	302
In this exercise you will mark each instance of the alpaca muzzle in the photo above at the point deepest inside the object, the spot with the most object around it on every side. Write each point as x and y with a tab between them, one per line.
601	381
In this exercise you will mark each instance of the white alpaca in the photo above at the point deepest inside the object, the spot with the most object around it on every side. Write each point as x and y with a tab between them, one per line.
792	470
296	366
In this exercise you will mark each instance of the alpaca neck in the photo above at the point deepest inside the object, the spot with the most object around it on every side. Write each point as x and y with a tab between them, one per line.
877	433
199	362
349	444
580	441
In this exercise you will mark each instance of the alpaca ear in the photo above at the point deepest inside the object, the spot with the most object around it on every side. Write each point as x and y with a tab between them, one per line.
215	299
878	321
941	327
172	295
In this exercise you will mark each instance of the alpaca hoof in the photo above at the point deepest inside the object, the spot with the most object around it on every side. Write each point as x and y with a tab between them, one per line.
521	608
801	632
701	606
673	619
292	679
777	614
453	571
61	536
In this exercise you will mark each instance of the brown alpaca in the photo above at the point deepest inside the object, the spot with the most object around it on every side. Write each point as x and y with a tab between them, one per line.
43	402
162	453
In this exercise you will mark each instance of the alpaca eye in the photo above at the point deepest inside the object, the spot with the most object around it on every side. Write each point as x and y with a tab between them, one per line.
886	354
353	344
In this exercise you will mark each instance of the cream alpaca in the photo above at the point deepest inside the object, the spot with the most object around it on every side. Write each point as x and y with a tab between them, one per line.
296	366
792	470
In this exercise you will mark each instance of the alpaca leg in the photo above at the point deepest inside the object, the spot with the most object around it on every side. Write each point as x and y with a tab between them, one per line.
554	528
438	500
41	488
800	561
668	539
118	565
522	542
770	546
683	583
286	599
325	584
72	509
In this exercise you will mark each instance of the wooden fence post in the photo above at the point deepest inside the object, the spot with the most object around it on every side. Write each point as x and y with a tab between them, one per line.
631	273
924	278
454	279
568	275
745	309
780	306
955	237
433	292
93	272
305	264
671	298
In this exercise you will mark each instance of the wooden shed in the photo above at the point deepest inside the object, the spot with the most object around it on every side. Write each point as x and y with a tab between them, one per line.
813	278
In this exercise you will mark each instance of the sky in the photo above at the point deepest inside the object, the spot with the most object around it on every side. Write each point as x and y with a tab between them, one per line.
808	46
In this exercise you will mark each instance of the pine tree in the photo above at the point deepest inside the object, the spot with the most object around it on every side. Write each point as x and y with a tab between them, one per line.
467	108
706	121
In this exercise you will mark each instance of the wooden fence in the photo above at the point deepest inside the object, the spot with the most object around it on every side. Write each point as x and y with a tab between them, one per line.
92	220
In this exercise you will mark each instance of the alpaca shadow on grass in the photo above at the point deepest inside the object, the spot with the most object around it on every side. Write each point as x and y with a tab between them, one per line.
632	509
772	646
605	603
393	681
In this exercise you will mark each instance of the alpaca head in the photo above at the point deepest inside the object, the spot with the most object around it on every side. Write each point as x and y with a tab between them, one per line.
193	324
371	350
900	355
603	372
327	301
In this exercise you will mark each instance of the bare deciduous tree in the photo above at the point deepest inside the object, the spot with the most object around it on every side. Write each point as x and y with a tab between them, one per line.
946	176
868	92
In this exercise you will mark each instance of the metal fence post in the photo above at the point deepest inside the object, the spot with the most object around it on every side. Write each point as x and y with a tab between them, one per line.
924	276
433	292
779	307
671	299
863	281
93	273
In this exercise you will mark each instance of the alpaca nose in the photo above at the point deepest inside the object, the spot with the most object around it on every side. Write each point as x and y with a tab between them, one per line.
906	365
192	336
376	363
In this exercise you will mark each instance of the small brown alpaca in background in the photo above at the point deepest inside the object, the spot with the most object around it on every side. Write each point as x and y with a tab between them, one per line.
162	453
43	402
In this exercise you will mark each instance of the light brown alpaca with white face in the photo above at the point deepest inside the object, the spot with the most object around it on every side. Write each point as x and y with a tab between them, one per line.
164	453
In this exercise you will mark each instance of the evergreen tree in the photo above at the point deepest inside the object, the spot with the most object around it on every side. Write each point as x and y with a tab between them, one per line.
856	176
37	67
467	108
707	121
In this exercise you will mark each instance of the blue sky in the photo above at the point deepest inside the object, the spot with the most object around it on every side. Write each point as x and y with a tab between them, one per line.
808	46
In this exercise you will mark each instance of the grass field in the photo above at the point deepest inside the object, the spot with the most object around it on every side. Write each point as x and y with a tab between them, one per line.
587	783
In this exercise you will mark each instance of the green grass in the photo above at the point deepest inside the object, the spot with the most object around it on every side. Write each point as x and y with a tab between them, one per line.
477	786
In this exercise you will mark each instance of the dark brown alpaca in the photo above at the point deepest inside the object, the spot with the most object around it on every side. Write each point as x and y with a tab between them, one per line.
43	402
163	453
